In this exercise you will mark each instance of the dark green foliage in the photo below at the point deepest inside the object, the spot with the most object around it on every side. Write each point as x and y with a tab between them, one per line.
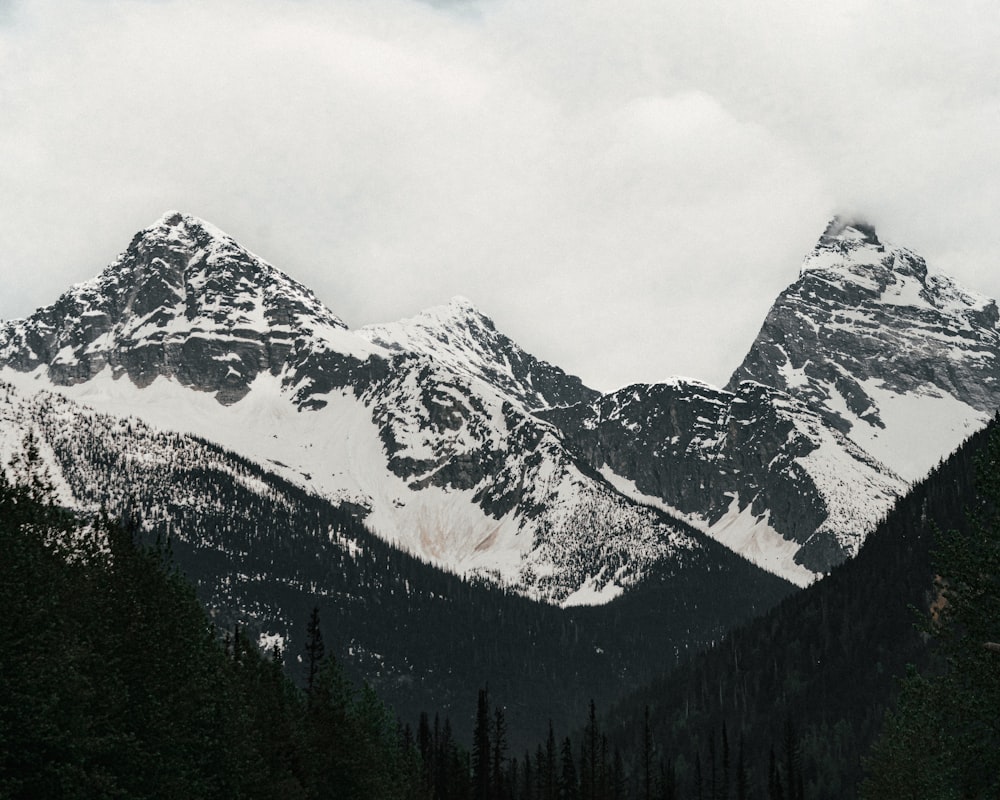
111	682
569	786
114	684
263	553
315	649
943	739
810	680
481	748
914	756
500	781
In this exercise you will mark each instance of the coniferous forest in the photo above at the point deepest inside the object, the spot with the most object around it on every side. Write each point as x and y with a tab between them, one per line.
882	681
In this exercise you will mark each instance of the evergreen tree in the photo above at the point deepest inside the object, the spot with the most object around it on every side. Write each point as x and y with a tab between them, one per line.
724	778
498	791
315	650
742	778
590	767
569	786
775	790
943	739
550	768
618	787
481	748
647	757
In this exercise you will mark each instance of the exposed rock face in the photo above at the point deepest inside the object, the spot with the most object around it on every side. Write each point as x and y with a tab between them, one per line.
425	424
881	347
469	451
186	302
708	453
460	336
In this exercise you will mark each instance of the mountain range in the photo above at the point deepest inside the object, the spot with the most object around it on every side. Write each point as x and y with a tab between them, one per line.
291	460
463	449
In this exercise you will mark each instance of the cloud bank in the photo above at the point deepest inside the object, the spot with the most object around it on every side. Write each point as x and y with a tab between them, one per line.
623	187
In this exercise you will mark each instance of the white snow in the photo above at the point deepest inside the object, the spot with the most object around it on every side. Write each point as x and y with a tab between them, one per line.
739	530
589	595
336	451
921	428
906	291
268	641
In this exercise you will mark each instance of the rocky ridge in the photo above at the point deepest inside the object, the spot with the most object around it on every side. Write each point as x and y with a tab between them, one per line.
434	443
754	468
468	451
186	302
904	361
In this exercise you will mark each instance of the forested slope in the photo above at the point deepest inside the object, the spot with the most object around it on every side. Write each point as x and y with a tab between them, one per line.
799	694
113	683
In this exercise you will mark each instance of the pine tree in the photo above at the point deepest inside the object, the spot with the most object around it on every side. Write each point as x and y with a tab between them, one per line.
775	791
618	788
742	778
590	767
499	755
551	781
569	785
724	782
647	758
481	748
793	777
943	739
315	650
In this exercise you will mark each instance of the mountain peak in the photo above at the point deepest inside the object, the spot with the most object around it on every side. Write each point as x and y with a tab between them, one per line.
459	312
461	306
851	250
187	302
882	347
849	229
185	232
458	336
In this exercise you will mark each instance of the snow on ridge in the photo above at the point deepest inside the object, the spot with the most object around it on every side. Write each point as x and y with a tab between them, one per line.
943	422
738	529
338	451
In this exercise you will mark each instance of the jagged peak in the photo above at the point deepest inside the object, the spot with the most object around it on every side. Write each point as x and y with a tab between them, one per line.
191	254
458	310
183	229
849	228
850	248
683	382
458	307
463	303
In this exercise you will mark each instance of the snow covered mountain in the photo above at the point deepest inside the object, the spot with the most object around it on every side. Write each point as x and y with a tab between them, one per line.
903	361
460	337
755	469
460	447
185	302
423	426
262	552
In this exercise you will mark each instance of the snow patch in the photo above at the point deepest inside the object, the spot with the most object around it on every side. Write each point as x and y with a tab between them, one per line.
922	428
739	530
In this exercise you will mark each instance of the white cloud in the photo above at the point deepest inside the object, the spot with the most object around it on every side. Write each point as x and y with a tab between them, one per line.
624	187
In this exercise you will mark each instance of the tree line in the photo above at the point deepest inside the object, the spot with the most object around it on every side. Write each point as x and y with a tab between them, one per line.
115	683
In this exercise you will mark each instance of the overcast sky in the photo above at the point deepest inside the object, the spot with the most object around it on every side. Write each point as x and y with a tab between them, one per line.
624	187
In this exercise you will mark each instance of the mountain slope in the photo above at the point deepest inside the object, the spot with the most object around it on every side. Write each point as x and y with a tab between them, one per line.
461	337
423	426
806	685
262	551
904	361
754	468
